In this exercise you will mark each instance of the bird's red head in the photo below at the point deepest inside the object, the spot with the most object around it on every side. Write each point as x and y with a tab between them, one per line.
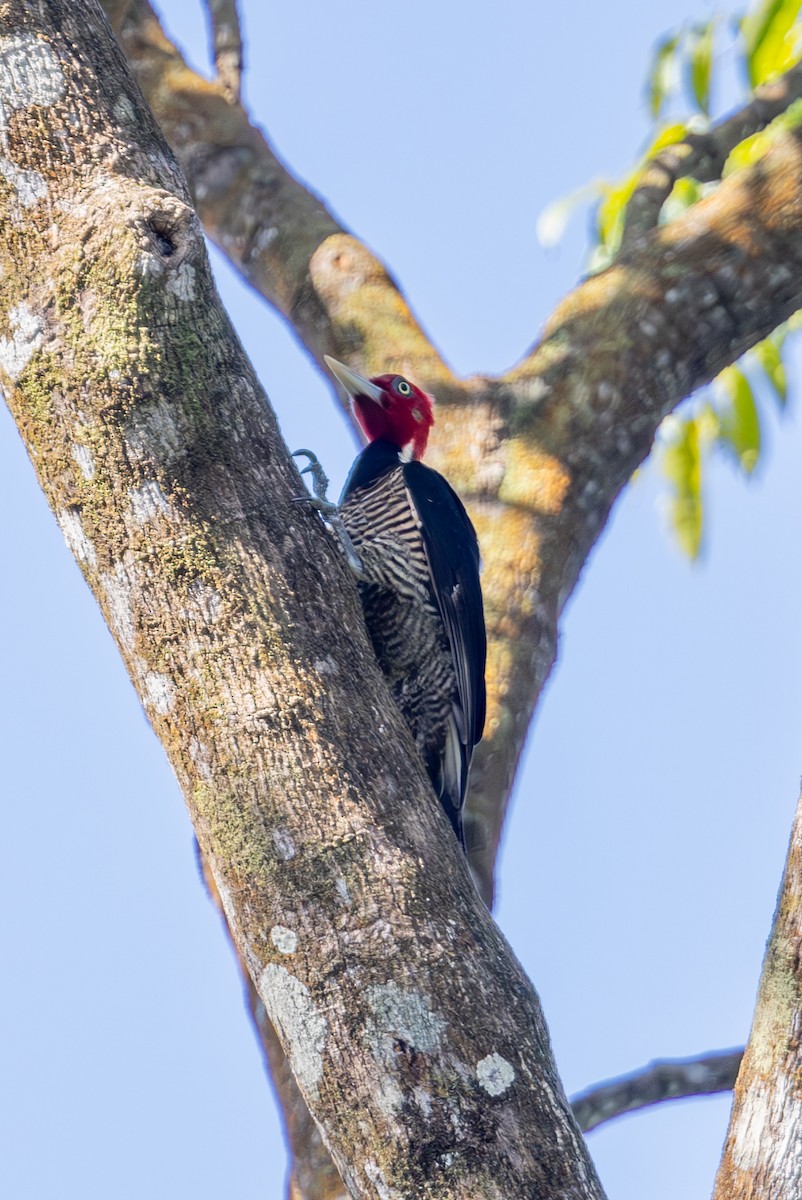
388	406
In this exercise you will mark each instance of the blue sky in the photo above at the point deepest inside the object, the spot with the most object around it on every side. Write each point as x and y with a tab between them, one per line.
646	842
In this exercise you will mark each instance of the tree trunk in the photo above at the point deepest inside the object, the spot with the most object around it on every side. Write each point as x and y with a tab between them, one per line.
415	1039
410	1030
762	1157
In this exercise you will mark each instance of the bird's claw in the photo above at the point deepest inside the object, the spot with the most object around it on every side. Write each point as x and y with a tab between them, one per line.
326	507
328	510
320	480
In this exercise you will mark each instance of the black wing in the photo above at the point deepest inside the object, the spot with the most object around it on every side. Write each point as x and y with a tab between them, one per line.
452	552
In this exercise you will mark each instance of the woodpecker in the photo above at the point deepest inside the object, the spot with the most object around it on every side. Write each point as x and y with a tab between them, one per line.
419	579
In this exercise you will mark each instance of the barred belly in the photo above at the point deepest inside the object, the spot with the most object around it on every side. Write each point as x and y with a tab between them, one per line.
401	613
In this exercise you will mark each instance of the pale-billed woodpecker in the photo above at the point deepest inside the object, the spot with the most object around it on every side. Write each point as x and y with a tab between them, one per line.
418	578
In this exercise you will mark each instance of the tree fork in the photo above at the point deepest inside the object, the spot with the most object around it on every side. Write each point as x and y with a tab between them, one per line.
415	1038
581	410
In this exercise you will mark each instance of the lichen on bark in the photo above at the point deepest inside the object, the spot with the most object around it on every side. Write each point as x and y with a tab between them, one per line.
242	633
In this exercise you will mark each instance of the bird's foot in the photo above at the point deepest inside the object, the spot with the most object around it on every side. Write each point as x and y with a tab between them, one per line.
320	483
327	509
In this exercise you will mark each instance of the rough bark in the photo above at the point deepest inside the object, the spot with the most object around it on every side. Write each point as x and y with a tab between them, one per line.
417	1043
341	300
312	1174
538	508
174	492
762	1157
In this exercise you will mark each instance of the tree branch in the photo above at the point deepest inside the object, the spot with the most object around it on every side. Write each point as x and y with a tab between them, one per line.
226	45
756	1161
535	530
581	410
702	156
281	237
664	1079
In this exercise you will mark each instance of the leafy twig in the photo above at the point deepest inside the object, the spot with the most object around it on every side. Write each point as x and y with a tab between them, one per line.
703	155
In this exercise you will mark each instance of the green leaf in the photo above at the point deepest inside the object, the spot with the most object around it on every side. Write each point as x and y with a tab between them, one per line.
790	119
708	424
684	194
701	60
661	80
747	152
610	213
771	40
740	420
553	220
616	196
769	354
668	135
752	148
682	465
755	24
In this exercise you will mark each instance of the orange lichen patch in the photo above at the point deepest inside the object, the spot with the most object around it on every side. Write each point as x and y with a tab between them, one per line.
464	448
499	666
510	577
511	571
770	187
533	479
730	205
512	545
784	190
369	314
342	264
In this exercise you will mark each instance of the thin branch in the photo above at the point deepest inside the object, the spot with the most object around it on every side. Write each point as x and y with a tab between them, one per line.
664	1079
226	35
702	156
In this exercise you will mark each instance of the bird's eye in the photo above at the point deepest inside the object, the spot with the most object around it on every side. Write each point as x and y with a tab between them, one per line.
403	388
